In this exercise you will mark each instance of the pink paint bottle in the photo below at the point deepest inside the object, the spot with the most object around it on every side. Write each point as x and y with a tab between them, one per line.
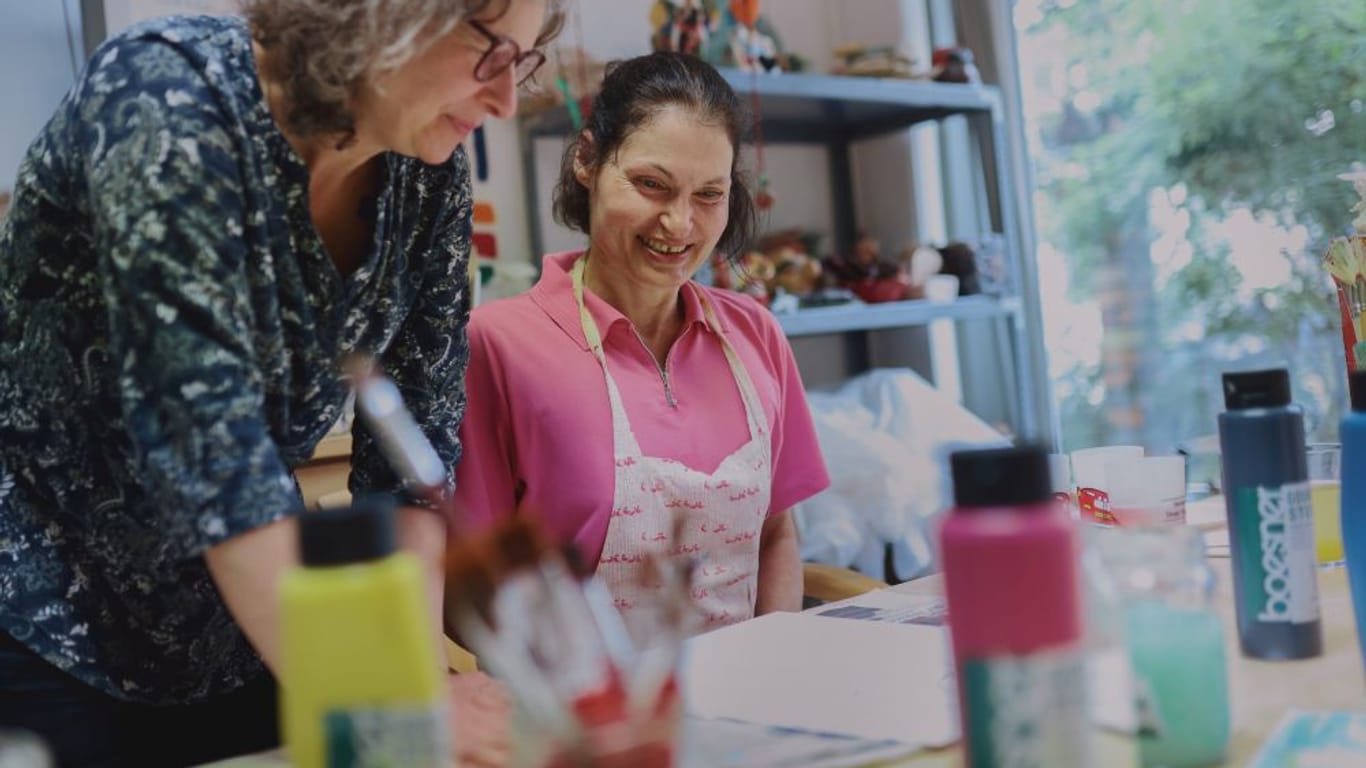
1010	554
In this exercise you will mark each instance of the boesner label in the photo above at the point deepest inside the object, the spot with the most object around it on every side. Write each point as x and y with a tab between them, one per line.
1276	541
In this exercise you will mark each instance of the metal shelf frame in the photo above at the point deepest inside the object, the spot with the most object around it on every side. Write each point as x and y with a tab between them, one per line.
844	318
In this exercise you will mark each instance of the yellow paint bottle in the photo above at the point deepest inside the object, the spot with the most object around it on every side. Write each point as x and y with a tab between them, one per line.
361	686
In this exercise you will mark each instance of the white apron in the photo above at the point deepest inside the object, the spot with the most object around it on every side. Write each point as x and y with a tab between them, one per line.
661	506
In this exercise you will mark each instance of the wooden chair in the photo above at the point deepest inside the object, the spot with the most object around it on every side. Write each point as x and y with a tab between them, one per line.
827	583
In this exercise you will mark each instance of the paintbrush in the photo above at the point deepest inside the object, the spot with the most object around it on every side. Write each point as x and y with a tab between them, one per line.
473	577
401	441
1346	263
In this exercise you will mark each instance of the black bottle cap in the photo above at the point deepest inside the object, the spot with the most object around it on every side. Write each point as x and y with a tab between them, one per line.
363	531
1269	388
1001	477
1356	382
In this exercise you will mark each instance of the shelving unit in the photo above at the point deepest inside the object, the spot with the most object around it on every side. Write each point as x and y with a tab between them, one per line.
835	111
893	314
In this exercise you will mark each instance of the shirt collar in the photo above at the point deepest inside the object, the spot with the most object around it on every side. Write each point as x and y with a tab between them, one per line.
554	294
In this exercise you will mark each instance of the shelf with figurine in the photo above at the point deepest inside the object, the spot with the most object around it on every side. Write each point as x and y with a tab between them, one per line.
804	107
877	89
864	290
811	107
846	318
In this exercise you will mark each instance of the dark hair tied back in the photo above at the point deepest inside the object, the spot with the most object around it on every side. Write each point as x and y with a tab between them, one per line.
633	92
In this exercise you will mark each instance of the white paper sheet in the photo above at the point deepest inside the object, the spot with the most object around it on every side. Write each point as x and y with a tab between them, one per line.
1206	513
888	605
871	679
1110	687
879	673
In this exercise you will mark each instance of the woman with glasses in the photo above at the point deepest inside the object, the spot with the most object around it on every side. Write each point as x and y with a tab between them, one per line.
218	213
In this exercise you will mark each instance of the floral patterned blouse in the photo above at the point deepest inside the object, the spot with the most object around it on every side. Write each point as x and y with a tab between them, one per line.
170	333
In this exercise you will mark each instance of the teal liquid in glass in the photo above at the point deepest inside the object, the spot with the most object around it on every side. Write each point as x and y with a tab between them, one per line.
1178	659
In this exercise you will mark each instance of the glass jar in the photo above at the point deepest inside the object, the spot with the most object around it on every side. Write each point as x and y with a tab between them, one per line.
1164	593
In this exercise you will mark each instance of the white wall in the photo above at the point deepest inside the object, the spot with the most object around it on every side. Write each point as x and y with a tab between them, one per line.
120	13
36	70
38	67
503	190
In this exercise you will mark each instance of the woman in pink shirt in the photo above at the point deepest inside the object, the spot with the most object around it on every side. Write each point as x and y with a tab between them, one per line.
633	410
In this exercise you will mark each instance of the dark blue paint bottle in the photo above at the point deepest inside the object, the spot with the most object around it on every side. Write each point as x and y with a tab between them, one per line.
1270	524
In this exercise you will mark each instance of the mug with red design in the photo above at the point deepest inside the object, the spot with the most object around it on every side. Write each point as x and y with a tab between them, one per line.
1093	487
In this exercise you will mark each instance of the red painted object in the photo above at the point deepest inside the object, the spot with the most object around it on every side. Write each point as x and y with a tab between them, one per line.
485	244
878	291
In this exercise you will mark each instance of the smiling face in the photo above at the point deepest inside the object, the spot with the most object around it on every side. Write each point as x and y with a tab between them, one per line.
426	107
659	204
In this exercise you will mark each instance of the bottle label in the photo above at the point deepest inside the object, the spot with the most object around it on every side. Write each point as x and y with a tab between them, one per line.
387	737
1027	711
1095	506
1276	553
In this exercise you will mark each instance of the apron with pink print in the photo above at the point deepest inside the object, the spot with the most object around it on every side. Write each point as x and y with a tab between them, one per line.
662	507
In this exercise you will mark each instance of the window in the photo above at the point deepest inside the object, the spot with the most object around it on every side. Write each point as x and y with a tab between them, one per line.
1185	159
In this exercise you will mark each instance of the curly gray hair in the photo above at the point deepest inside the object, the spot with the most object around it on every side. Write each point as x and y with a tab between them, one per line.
321	50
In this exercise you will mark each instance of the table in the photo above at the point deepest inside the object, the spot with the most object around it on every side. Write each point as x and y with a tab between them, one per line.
1259	691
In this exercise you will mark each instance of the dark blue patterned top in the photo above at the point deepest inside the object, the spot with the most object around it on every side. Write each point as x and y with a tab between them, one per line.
170	331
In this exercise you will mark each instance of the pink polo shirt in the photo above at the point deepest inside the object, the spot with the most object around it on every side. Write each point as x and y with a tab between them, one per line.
537	434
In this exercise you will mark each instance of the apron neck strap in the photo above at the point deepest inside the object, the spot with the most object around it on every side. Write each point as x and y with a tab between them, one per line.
750	397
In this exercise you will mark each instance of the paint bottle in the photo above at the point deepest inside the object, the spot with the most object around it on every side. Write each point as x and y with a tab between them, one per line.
361	680
1353	436
1010	554
1270	524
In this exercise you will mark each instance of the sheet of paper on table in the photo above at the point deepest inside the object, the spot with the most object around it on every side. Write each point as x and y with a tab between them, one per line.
1111	688
876	666
1208	515
874	680
888	605
1217	543
848	683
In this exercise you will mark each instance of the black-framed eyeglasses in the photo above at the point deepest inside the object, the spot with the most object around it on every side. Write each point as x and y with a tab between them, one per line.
504	52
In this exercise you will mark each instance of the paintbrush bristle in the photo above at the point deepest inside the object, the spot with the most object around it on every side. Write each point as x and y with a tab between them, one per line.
1342	262
471	577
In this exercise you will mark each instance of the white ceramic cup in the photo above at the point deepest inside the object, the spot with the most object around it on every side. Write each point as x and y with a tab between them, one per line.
1147	491
1093	487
